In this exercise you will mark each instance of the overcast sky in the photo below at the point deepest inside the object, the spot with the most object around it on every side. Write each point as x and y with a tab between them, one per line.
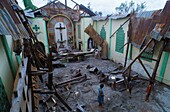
105	6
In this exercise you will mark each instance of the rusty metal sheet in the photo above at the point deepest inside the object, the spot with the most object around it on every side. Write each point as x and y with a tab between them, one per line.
165	12
3	29
7	5
141	26
23	31
11	21
147	23
7	22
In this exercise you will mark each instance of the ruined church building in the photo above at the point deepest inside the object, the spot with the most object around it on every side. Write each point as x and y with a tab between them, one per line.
30	38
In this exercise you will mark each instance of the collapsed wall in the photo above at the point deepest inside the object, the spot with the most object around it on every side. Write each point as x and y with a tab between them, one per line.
98	40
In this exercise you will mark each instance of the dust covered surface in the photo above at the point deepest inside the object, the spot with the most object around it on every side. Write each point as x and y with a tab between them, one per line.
82	95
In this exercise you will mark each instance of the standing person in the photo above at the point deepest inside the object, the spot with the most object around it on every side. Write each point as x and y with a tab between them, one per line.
101	95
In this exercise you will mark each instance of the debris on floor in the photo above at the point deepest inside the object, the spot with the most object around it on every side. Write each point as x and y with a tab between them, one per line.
77	84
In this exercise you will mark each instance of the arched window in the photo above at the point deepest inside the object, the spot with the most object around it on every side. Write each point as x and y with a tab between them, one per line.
120	39
103	33
90	43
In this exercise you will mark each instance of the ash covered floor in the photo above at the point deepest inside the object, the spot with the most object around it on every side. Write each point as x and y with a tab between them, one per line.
82	95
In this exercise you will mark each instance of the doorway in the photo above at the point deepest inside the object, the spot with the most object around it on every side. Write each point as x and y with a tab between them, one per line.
90	44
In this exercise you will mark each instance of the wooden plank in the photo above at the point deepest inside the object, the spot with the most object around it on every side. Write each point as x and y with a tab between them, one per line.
19	88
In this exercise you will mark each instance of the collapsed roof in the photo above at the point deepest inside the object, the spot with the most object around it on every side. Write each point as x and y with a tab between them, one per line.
150	23
61	8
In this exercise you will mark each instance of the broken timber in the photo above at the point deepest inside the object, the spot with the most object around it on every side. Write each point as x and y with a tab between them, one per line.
50	69
60	98
71	80
98	40
21	92
162	40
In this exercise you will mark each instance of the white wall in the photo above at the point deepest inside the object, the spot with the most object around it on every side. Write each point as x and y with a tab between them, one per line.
5	70
120	57
114	55
84	22
42	32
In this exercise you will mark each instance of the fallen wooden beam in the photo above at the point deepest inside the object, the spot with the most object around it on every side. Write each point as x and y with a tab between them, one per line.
61	99
37	73
21	92
43	91
71	80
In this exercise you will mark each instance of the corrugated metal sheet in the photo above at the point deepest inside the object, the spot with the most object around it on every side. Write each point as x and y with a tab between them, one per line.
6	22
3	30
99	18
146	14
10	22
114	17
141	25
165	14
5	19
145	23
24	33
8	6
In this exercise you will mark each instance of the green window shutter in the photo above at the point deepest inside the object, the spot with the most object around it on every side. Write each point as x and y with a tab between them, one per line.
147	54
79	31
103	33
120	39
4	103
164	66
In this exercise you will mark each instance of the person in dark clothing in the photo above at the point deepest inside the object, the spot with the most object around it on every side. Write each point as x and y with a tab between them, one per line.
101	95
